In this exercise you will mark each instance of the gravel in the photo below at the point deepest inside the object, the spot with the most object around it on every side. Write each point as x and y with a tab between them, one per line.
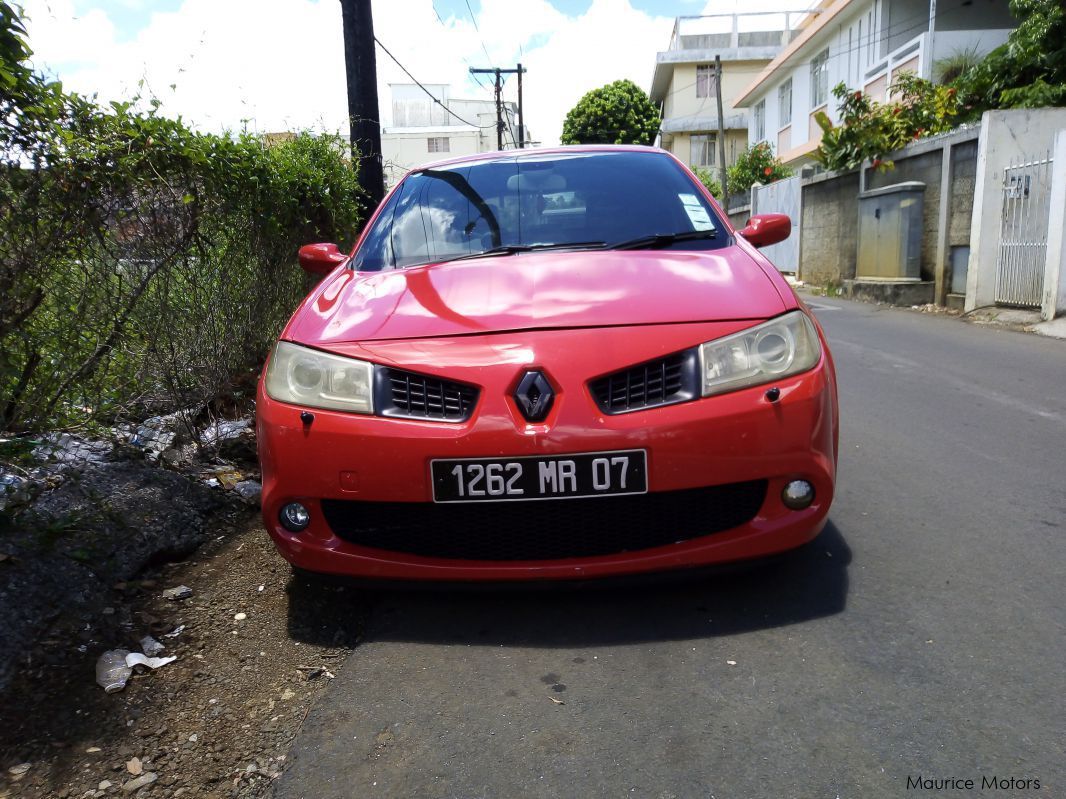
217	722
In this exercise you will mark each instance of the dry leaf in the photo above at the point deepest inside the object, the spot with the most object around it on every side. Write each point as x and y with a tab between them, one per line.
134	767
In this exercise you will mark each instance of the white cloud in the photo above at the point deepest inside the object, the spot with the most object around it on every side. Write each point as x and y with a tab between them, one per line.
280	63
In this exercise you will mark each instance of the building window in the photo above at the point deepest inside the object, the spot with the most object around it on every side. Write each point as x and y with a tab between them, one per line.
703	149
759	115
438	144
784	103
706	81
820	79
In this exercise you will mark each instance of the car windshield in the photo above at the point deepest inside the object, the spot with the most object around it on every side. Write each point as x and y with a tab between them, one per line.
506	206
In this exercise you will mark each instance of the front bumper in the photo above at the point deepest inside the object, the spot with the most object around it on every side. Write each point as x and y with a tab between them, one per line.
736	438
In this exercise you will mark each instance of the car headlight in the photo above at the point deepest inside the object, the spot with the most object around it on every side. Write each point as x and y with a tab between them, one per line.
778	348
316	379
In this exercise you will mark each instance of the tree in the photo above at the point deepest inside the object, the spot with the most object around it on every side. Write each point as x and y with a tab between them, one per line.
757	164
618	113
1029	71
869	130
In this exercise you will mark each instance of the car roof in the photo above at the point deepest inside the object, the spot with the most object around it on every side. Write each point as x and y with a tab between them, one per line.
539	152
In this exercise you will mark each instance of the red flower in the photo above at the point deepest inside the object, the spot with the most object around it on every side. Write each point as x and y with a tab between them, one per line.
768	171
876	163
858	95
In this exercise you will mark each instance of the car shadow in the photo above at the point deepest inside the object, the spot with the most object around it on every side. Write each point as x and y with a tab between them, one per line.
807	584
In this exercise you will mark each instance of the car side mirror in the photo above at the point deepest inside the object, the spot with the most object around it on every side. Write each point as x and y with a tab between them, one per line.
321	259
766	229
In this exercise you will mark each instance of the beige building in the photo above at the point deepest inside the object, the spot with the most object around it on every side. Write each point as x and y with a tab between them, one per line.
684	87
423	131
865	44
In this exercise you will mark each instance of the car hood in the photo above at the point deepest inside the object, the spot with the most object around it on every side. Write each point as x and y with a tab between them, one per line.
537	291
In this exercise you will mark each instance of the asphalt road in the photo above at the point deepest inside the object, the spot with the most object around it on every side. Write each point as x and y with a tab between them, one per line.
921	635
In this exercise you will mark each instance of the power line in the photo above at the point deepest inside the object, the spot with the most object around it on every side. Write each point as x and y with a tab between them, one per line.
477	30
444	25
430	94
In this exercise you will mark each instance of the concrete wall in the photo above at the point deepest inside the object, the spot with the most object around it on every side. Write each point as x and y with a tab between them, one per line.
962	187
829	228
739	216
1006	137
830	209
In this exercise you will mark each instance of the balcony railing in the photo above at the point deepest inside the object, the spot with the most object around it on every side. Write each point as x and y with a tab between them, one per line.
754	29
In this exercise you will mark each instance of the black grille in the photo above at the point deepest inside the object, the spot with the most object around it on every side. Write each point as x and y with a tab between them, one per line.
400	393
546	529
664	381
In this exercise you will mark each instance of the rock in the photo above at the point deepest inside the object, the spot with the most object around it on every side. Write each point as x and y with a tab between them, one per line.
172	457
134	767
178	592
288	694
16	490
151	647
104	785
224	430
17	772
249	490
240	617
65	448
135	785
161	433
104	527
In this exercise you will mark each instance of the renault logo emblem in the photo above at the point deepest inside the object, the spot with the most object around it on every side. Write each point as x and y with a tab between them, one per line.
534	396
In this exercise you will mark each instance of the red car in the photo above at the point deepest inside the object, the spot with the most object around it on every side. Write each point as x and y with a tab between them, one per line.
547	365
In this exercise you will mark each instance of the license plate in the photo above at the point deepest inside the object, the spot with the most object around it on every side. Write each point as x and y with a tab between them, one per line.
589	474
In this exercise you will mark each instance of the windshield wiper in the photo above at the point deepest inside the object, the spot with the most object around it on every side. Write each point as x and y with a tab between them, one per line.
513	249
657	240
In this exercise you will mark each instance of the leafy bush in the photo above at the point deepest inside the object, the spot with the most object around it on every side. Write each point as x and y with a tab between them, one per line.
1029	71
708	180
869	129
757	164
618	113
144	267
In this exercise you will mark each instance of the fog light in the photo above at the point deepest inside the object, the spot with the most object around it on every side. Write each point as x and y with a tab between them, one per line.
294	517
798	494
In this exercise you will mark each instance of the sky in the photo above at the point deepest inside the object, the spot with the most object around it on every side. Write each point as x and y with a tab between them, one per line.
274	65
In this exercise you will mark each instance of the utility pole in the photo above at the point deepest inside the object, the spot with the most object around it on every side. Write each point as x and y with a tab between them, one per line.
360	68
721	130
499	112
521	114
500	126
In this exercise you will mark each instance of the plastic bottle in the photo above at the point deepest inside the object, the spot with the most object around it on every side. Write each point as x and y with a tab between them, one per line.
112	671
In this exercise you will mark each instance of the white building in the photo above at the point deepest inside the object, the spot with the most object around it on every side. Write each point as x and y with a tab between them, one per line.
423	131
865	44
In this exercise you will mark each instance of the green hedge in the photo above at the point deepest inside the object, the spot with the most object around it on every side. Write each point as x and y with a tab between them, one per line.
144	266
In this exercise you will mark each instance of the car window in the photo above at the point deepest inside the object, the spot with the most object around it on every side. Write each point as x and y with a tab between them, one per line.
579	199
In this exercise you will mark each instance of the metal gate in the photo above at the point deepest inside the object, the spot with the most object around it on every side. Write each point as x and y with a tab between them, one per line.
1023	235
781	197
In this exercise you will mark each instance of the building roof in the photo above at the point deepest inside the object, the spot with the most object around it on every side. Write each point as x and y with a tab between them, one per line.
741	36
828	11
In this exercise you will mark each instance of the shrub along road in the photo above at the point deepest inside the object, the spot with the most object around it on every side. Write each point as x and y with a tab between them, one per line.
920	637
